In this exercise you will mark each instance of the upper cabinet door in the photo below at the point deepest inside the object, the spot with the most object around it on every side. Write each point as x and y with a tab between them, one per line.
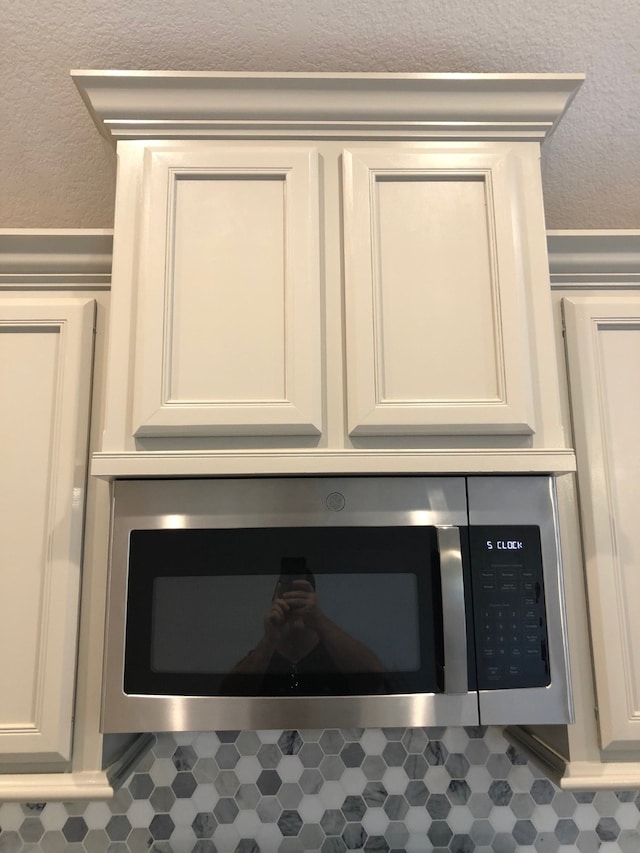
603	353
436	321
228	325
46	346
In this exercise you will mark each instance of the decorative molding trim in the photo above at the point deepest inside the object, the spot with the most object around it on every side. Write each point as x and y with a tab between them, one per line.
258	462
550	762
45	787
177	105
120	770
594	258
575	775
59	258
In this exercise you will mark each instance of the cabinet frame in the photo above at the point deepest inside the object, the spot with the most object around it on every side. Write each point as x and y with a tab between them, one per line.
603	266
57	267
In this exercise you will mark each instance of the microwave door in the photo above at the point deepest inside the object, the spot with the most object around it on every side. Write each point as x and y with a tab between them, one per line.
408	559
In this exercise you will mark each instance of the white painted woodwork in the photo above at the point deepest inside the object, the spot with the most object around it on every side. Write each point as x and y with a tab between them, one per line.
437	332
220	463
585	260
182	104
274	306
603	352
46	356
228	337
596	268
57	269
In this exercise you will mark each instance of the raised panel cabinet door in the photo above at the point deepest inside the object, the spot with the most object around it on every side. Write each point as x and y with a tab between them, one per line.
436	324
228	312
46	347
603	354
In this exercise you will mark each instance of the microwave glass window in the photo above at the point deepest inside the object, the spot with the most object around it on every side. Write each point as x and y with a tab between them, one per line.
334	611
190	614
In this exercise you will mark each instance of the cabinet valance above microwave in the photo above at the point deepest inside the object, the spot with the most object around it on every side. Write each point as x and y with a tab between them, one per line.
329	273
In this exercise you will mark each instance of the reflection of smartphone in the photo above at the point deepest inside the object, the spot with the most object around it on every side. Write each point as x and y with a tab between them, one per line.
292	569
287	585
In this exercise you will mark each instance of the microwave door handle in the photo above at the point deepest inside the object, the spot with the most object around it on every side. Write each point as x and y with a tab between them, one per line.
454	623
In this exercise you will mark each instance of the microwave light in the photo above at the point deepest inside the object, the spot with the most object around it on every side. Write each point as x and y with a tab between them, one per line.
174	522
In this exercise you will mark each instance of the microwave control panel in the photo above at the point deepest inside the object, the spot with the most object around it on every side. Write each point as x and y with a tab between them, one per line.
512	648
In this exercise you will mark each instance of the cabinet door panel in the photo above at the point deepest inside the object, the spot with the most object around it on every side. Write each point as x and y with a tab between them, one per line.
603	352
45	352
436	326
224	345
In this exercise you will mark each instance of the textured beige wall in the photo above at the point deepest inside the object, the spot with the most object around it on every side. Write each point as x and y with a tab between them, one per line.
56	171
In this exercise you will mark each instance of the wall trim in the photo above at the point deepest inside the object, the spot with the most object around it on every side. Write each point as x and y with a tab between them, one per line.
596	259
62	258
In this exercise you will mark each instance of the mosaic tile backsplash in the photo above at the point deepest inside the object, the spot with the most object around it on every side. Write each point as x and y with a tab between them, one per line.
375	790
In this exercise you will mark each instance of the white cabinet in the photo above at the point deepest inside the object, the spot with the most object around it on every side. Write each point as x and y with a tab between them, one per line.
437	331
329	273
53	519
228	300
596	280
46	348
603	354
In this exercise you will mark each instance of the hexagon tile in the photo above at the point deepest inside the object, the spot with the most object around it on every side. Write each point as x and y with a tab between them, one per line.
375	790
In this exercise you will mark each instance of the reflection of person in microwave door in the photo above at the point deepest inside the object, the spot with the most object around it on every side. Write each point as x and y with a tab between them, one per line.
299	638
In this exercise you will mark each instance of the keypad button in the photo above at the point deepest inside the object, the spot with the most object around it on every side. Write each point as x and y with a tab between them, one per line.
508	574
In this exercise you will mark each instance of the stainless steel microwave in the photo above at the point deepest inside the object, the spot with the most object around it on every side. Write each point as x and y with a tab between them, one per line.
308	602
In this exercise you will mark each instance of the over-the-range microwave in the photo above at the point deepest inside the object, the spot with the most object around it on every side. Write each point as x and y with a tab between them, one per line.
315	602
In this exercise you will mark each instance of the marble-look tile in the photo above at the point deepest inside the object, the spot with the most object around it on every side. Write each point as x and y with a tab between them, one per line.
375	790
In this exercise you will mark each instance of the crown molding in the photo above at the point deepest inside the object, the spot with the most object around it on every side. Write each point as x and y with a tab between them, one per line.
47	257
596	258
183	104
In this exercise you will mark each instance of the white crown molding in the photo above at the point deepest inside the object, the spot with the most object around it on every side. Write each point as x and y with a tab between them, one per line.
594	258
173	105
65	257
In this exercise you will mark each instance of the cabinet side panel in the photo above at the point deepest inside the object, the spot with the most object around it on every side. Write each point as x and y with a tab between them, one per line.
29	357
434	276
226	290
